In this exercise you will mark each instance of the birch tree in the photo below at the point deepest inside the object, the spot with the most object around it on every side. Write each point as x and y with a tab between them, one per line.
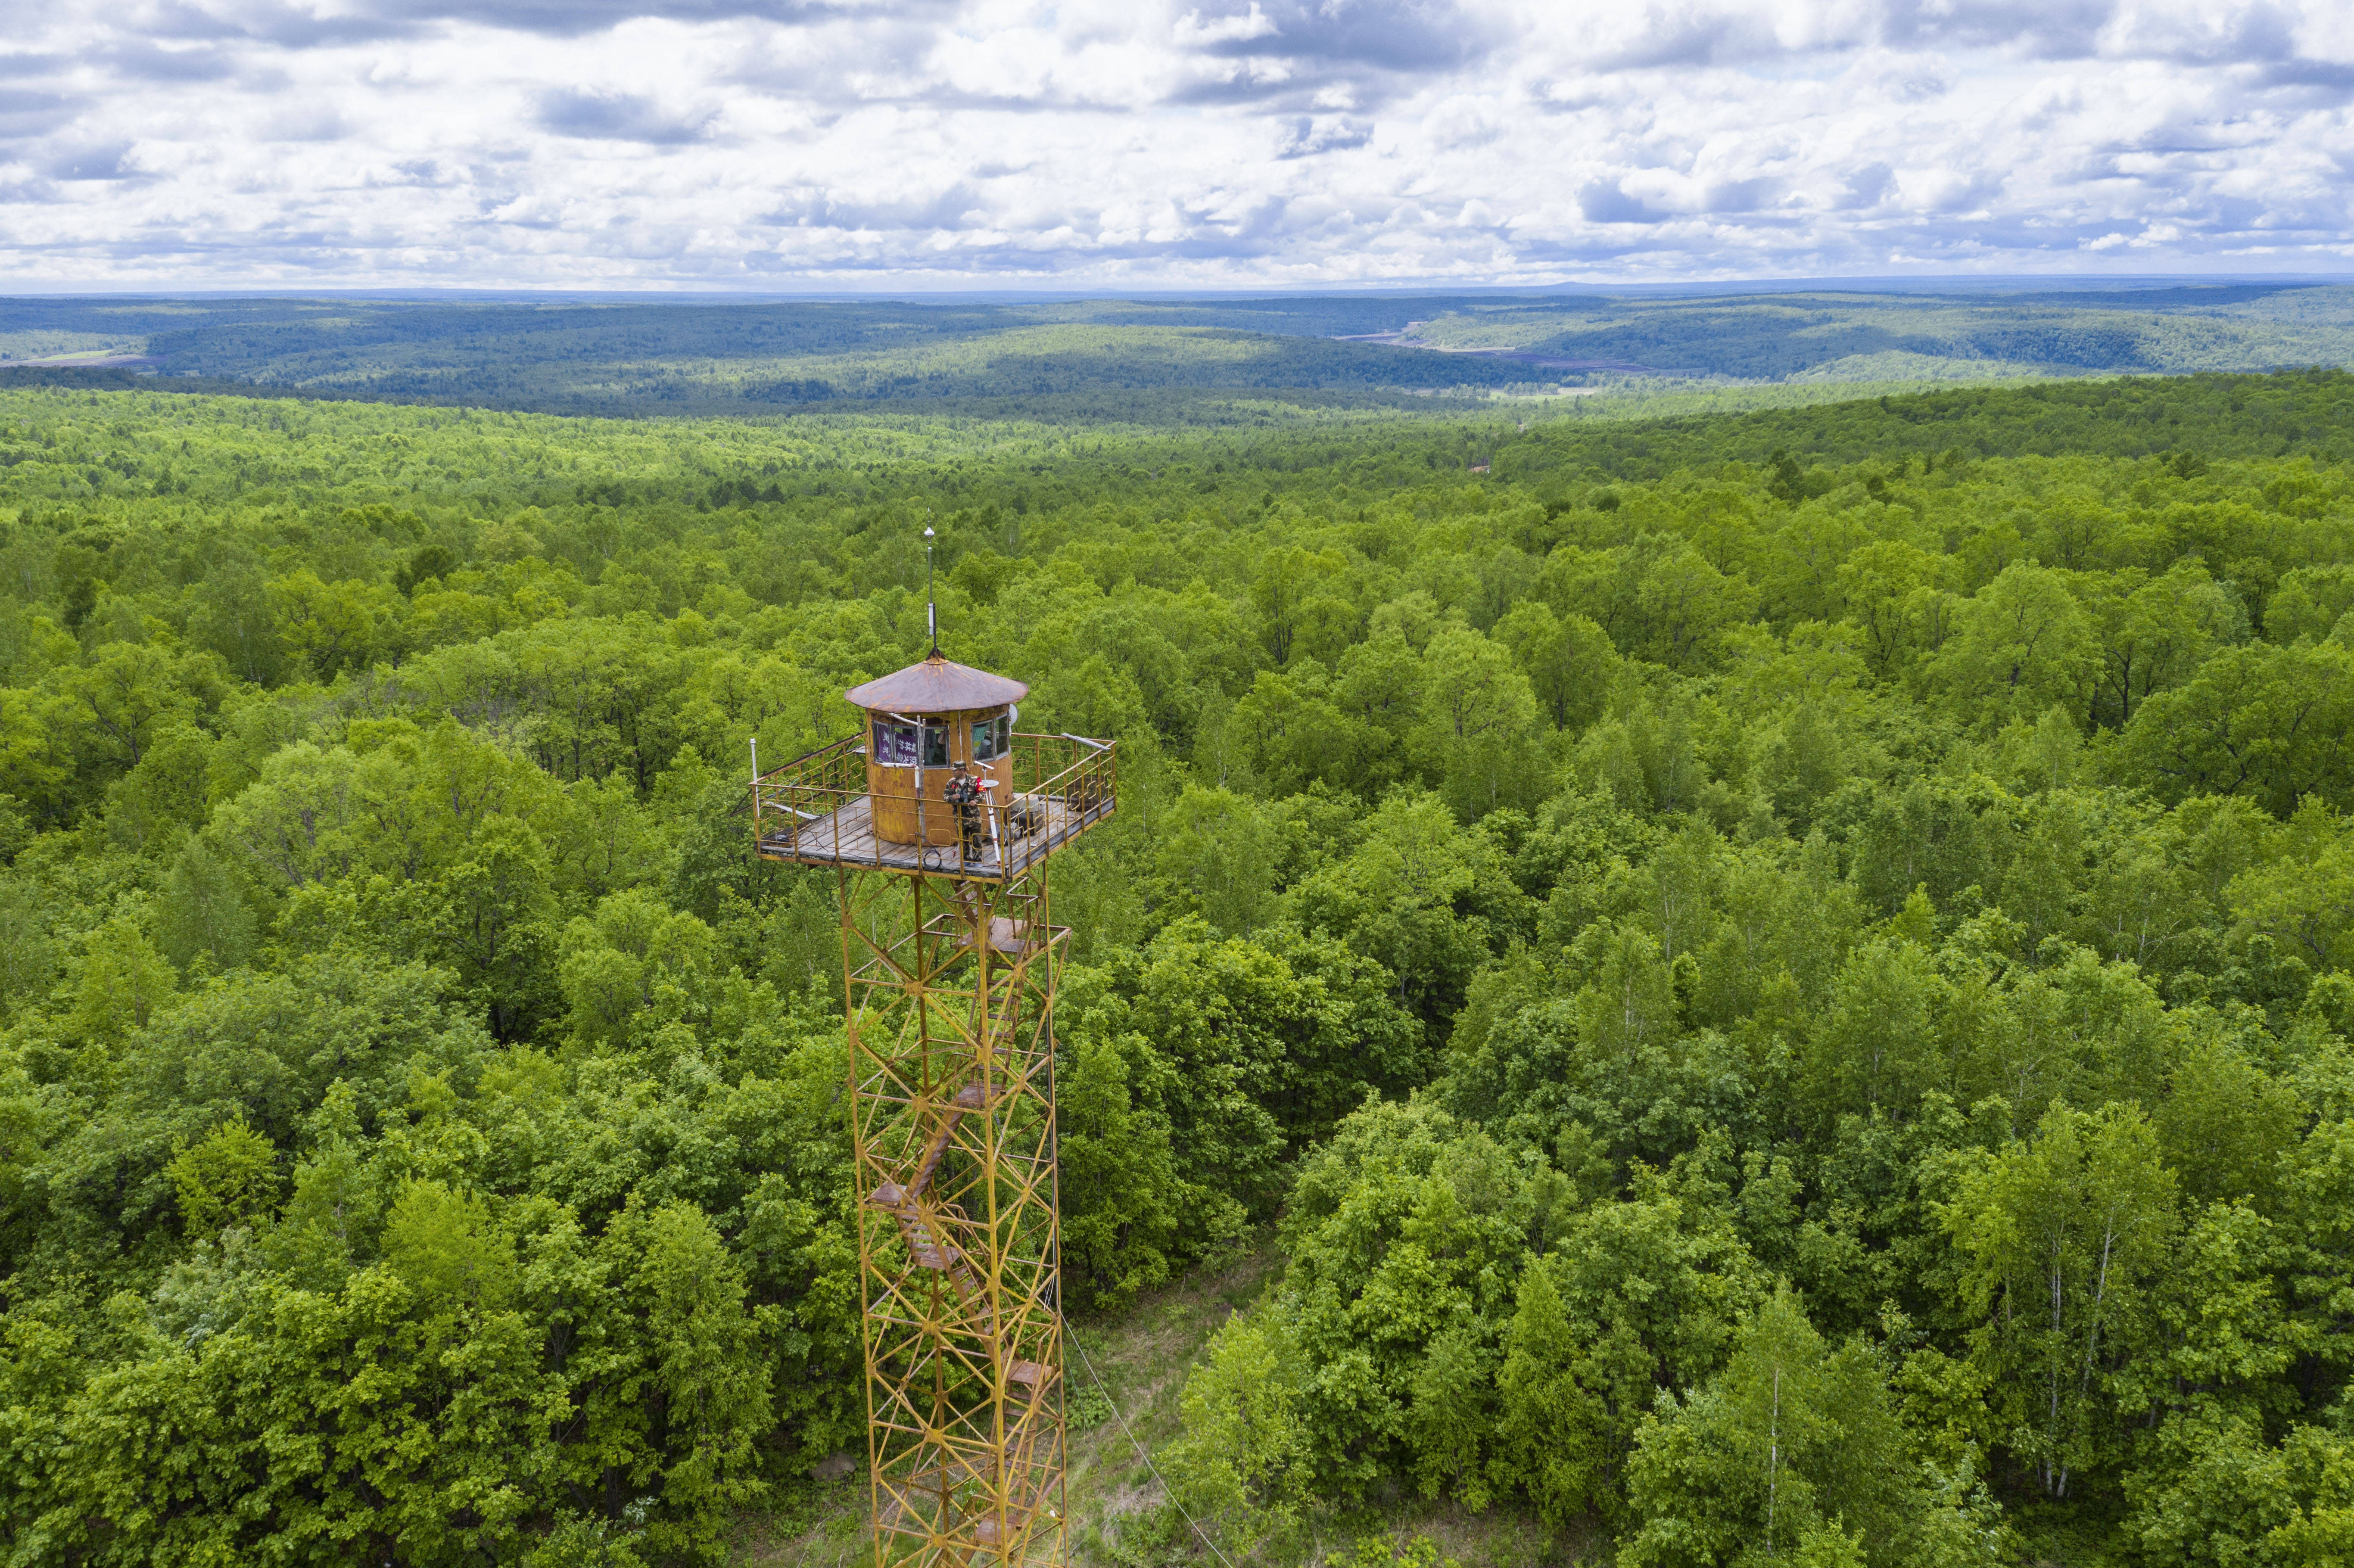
2061	1237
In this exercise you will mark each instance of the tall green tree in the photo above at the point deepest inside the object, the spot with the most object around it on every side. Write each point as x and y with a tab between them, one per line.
2062	1237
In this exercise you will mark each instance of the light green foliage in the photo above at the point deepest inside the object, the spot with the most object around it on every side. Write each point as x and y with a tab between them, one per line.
2155	631
1569	662
1549	1427
2304	899
2064	1237
637	964
1397	1551
226	1177
1218	851
1426	899
1828	1546
1127	1216
203	913
1248	1453
2310	603
1479	731
1793	1452
1246	1052
2020	644
2274	724
124	982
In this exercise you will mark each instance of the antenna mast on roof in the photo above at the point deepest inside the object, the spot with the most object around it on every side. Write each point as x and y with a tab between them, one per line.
931	605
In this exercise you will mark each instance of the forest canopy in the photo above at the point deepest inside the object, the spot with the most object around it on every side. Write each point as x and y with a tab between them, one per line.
1779	983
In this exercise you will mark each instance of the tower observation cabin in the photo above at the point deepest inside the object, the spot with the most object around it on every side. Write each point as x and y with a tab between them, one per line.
936	779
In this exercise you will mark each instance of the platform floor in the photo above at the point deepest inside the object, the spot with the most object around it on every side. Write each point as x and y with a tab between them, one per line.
846	837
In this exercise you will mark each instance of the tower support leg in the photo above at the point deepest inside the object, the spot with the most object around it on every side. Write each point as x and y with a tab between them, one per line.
948	990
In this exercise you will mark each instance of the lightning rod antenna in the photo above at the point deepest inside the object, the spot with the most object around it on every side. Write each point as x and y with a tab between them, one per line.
931	605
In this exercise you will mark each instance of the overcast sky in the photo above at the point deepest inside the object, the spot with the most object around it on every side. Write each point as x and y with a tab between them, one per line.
1003	143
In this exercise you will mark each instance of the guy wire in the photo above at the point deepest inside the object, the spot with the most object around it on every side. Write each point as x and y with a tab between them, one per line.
1140	1451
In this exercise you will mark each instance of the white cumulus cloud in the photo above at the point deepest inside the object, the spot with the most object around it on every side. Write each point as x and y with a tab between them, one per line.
902	143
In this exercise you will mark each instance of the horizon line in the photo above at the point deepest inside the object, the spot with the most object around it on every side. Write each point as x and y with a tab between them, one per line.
677	292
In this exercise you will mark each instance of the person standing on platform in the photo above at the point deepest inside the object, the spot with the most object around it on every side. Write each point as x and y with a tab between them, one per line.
963	792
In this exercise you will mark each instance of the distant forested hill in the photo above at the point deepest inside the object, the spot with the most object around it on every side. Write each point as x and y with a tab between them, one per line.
721	356
1856	336
717	356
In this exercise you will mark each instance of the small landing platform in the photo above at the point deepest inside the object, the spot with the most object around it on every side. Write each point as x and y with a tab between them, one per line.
1014	839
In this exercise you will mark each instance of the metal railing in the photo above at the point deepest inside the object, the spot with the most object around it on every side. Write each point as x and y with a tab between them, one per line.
816	809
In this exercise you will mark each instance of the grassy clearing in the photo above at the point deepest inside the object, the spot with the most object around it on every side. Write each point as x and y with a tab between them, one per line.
1142	1356
1636	398
17	346
1117	1505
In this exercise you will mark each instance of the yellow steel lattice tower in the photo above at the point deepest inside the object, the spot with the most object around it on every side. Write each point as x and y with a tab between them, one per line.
939	820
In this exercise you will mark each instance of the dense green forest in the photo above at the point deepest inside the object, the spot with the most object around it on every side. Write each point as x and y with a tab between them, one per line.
721	355
1779	983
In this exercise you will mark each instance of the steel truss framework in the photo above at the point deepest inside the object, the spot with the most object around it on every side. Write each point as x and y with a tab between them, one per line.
949	989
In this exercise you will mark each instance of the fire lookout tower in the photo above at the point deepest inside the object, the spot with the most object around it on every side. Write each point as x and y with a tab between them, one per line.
938	819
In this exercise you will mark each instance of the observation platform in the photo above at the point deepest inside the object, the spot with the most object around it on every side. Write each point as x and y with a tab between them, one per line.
818	810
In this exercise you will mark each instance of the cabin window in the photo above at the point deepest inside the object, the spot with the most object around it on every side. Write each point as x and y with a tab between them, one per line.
901	744
988	738
894	744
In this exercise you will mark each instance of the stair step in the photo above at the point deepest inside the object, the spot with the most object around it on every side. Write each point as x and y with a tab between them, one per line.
1004	936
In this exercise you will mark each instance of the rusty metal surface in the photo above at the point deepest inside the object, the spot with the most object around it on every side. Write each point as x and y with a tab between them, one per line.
949	989
948	973
816	810
937	685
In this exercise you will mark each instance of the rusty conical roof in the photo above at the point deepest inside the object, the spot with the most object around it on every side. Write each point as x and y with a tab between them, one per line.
937	685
